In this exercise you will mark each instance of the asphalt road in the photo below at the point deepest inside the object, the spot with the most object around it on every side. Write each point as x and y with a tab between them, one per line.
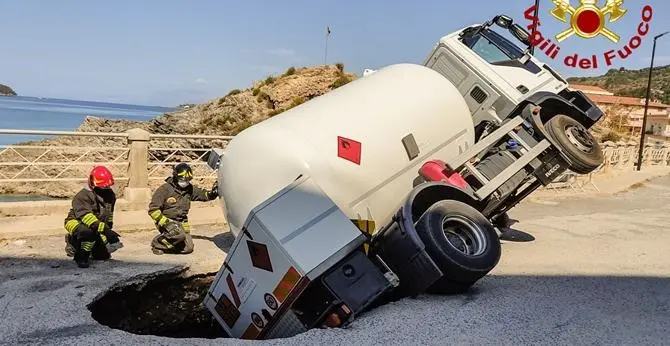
596	271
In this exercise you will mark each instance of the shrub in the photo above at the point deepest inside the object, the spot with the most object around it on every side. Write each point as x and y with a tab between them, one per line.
297	101
262	97
255	91
611	136
269	80
342	80
275	112
340	66
221	101
290	71
234	92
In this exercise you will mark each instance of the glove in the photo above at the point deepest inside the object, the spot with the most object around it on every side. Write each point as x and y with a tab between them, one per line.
113	237
214	193
174	233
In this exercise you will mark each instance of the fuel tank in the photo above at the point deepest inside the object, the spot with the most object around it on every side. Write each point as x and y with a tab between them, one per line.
362	143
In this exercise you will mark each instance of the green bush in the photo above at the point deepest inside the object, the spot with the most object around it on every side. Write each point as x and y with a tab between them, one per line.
342	80
234	92
269	80
297	101
340	66
290	71
262	97
611	137
255	91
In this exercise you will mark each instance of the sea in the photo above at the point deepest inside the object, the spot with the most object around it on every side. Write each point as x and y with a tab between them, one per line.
36	113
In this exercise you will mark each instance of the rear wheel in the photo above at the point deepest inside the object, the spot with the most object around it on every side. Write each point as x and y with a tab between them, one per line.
577	143
461	241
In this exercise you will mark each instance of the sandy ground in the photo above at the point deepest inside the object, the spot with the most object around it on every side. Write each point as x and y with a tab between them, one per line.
594	271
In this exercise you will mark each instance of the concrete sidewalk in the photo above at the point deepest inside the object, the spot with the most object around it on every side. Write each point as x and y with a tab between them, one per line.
124	221
604	184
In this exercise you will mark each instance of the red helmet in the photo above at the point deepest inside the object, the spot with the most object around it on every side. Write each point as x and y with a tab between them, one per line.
100	177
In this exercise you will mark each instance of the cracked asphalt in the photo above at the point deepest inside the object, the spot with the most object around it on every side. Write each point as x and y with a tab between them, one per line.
584	271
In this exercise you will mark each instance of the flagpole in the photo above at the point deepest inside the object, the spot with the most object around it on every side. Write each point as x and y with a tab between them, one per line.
325	54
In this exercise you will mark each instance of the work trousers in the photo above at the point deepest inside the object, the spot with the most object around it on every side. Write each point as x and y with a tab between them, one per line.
87	242
181	243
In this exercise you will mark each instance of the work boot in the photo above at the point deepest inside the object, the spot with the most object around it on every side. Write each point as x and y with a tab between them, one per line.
82	263
157	251
69	249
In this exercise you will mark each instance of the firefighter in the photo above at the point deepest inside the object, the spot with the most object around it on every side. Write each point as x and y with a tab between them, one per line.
90	220
169	209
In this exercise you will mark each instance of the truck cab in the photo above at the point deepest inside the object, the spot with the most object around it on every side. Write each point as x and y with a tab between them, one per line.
497	77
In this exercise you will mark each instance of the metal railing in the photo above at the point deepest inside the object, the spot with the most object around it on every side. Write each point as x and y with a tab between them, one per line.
58	166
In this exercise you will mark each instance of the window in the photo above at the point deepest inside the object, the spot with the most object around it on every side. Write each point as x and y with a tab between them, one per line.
497	50
487	50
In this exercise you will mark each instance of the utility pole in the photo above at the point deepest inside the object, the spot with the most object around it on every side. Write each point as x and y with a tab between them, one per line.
536	21
646	103
325	54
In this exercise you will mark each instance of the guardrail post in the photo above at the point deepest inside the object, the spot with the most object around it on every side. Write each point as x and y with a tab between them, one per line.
138	191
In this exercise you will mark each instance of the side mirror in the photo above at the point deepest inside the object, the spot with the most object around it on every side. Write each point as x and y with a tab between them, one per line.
503	21
520	33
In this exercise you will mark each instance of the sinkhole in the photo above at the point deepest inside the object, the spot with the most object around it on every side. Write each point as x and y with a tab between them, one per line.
167	303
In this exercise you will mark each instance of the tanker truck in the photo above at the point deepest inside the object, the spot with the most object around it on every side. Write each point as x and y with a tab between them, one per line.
393	185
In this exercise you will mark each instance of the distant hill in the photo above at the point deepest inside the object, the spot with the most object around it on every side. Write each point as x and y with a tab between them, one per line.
632	83
6	91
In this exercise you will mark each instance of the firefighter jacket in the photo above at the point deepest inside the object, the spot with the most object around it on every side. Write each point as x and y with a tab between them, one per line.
171	202
93	209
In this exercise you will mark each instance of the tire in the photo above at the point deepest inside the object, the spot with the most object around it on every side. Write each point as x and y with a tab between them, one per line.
462	266
577	143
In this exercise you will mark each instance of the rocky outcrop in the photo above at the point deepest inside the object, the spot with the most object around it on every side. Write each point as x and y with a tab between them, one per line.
6	91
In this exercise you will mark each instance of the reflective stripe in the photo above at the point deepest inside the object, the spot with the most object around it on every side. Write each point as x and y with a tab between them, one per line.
155	215
71	225
104	239
87	246
164	241
101	227
163	221
187	227
185	174
89	219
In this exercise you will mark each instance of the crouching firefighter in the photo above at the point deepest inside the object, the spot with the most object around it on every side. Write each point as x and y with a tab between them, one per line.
169	209
90	220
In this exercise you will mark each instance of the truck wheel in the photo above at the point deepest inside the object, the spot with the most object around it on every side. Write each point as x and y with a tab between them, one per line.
577	143
461	241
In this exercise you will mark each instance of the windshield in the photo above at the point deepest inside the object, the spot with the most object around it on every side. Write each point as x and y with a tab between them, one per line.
492	47
497	50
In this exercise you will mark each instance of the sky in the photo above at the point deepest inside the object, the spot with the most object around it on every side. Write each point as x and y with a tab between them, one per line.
169	52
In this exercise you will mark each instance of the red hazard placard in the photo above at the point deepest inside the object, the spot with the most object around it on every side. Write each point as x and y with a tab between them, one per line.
349	149
260	258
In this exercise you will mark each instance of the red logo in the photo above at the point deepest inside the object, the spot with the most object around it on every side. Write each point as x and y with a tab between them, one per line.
588	21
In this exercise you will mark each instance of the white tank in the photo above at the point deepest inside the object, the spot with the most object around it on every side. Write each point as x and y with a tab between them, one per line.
377	111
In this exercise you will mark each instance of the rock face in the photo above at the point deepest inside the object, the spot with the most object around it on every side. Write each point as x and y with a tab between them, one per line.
6	91
224	116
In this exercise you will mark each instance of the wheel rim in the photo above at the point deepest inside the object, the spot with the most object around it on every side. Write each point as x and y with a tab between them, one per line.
580	138
464	235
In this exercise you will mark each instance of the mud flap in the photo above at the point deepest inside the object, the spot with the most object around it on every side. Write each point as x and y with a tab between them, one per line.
404	253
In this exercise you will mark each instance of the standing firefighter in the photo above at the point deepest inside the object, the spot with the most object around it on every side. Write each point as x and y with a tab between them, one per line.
169	209
90	220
